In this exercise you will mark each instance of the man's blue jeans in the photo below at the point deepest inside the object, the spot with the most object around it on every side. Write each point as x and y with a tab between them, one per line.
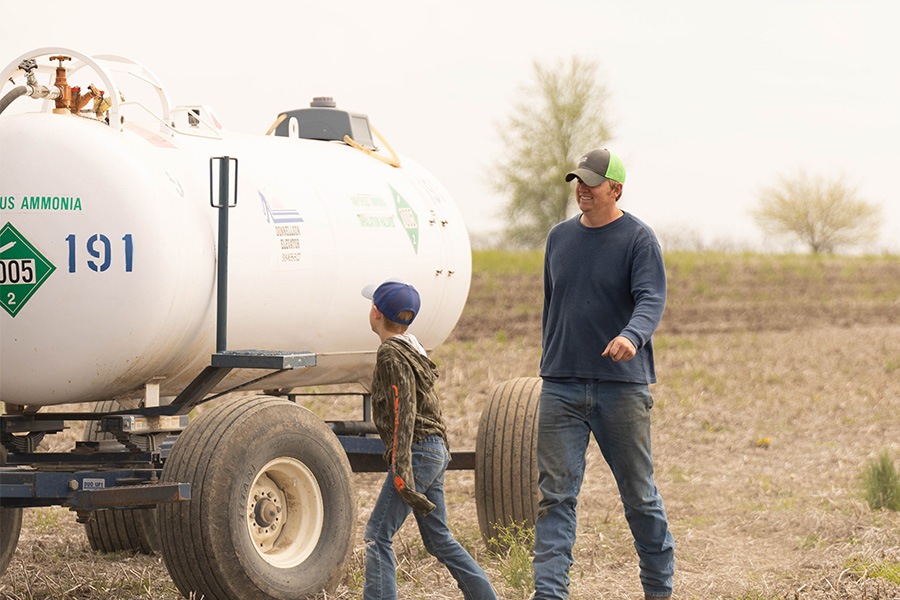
618	414
430	459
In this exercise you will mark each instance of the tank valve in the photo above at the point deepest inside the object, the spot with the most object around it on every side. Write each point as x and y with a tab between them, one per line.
29	65
79	100
34	88
64	100
101	104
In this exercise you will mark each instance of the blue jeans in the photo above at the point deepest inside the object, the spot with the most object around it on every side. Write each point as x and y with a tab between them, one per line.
429	460
618	414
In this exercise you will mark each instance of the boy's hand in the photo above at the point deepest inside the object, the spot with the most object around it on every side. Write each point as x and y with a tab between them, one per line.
418	502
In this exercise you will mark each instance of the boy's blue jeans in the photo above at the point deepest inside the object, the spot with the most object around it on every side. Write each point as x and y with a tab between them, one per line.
618	414
430	459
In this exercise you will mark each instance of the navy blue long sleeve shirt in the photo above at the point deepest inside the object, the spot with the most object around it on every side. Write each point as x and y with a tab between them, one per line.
599	283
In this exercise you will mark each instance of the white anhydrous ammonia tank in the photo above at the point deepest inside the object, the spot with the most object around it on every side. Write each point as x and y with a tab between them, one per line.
108	249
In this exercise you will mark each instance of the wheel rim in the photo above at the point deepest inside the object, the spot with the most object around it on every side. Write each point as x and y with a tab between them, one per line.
285	512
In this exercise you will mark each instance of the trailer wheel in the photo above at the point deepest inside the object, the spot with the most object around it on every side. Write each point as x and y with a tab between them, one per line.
272	512
10	526
133	529
506	475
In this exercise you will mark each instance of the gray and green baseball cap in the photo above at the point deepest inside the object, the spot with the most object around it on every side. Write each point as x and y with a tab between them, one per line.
597	166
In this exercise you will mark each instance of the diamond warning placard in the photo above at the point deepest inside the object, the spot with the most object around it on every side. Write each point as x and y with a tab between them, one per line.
22	269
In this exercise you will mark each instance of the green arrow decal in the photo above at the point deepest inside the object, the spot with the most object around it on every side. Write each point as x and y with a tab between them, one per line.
408	218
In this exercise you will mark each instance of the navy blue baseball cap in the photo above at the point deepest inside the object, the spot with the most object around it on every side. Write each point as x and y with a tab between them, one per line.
393	297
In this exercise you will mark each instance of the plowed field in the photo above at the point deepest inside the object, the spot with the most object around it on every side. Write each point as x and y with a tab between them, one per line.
779	381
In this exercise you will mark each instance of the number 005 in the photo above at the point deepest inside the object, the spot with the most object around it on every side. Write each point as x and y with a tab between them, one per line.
17	270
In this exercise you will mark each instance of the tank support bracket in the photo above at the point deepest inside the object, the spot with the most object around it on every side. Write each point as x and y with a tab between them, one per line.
196	390
130	496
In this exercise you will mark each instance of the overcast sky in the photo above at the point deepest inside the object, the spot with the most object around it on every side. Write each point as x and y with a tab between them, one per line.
711	100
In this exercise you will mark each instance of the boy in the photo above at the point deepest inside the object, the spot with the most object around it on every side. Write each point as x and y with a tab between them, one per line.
407	414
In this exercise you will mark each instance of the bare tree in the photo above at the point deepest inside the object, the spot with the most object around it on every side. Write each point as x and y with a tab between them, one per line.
823	214
560	115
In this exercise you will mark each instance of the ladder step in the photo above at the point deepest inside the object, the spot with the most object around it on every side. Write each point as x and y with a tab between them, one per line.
263	359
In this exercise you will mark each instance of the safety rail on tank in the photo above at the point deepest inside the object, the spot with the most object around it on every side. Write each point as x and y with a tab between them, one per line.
109	102
110	97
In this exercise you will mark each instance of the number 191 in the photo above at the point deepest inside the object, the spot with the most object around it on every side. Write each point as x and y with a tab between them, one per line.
100	249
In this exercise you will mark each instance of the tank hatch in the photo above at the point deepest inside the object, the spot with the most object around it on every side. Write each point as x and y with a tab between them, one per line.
324	121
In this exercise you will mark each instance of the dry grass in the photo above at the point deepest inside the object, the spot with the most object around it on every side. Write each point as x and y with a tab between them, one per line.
779	380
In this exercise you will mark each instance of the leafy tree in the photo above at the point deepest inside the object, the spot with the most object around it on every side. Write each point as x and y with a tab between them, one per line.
560	115
823	214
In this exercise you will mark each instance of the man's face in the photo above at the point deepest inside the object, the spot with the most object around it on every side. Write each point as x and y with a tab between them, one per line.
601	196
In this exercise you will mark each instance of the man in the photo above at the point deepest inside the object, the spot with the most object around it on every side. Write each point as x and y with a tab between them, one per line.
604	295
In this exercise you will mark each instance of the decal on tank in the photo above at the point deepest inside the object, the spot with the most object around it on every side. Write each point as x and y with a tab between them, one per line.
428	188
408	218
101	251
373	212
22	269
41	203
287	230
289	243
277	214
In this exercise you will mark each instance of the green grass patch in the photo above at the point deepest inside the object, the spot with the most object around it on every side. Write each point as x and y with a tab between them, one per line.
663	342
809	542
679	474
513	547
718	273
694	379
870	569
506	262
881	483
892	364
754	595
47	519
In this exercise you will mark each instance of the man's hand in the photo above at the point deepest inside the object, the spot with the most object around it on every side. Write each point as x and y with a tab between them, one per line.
620	348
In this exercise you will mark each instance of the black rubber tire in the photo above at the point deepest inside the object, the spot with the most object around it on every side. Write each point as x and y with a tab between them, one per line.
10	526
506	474
127	530
207	543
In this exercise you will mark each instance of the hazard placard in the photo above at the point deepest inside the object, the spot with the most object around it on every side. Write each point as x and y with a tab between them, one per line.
22	269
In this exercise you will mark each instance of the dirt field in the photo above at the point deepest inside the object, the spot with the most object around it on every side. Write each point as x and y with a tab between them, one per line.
779	381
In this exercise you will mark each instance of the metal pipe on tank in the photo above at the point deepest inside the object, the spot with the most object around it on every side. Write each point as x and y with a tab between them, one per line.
224	163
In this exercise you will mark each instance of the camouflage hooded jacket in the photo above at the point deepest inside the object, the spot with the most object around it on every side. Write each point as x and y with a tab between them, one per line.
406	409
